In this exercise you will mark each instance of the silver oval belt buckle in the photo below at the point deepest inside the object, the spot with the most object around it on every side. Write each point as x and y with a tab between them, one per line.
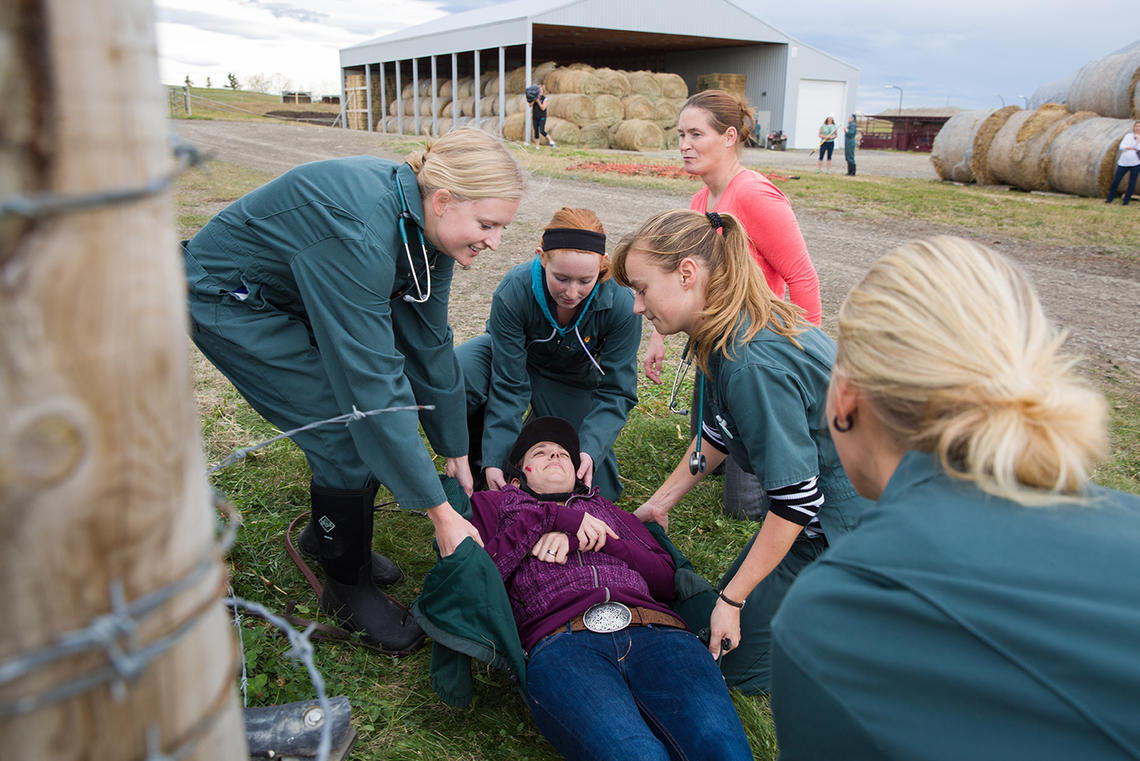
606	617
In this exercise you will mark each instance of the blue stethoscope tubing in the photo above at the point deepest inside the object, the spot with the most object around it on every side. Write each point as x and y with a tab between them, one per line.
403	219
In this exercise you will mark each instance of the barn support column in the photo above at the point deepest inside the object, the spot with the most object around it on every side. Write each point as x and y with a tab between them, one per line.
416	95
368	95
383	99
502	88
399	99
454	90
434	99
343	98
528	124
478	88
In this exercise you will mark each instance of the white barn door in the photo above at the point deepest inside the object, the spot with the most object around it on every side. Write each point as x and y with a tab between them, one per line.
817	99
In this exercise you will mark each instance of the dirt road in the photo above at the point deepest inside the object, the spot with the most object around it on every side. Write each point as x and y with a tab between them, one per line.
1092	294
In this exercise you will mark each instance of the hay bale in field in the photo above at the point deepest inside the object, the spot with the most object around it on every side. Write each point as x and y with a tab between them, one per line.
987	129
672	140
645	83
1082	158
615	82
489	124
573	81
1107	86
490	86
467	105
608	109
516	80
666	112
1056	91
595	135
639	135
579	66
515	127
463	88
954	145
672	85
1018	152
573	107
733	83
562	132
637	107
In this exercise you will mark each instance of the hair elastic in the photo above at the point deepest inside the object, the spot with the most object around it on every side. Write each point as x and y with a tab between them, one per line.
715	219
572	237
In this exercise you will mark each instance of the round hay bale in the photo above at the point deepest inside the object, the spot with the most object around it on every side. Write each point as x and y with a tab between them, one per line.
516	80
1107	86
595	135
467	105
491	86
562	132
1017	153
645	83
573	81
442	106
515	128
672	85
639	135
666	112
1082	158
637	107
579	66
733	83
573	107
987	129
672	140
615	82
1056	91
514	104
608	109
463	88
954	145
489	124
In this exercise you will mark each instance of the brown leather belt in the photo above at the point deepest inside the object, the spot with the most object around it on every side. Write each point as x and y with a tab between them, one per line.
641	617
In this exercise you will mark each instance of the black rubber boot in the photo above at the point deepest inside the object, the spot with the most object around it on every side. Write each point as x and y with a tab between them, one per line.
384	570
475	449
343	519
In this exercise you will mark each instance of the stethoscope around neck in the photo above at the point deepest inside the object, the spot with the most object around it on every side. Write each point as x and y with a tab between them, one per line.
696	459
403	219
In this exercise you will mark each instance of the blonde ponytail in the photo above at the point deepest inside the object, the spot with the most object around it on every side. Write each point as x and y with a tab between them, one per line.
950	343
738	302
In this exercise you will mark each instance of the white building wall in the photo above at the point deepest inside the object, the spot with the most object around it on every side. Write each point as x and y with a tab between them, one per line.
829	84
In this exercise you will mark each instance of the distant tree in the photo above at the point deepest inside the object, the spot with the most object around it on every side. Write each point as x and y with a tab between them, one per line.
257	82
233	81
188	82
209	83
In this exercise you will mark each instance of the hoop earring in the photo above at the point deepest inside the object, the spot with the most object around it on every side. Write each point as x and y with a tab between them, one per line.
849	423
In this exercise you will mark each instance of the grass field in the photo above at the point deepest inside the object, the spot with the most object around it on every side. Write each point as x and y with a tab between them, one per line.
395	710
236	105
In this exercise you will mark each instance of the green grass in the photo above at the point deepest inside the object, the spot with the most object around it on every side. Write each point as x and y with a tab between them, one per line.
394	709
235	105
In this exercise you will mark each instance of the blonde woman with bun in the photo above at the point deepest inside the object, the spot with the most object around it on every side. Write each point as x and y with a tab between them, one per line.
988	607
713	127
761	381
325	291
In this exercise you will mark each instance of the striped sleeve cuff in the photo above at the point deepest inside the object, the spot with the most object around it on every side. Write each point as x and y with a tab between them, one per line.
798	503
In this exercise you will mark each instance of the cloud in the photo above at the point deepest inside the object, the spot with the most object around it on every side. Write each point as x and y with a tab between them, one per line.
211	22
285	10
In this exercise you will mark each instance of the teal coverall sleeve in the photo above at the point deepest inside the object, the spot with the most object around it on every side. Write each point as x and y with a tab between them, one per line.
424	338
509	393
616	393
345	285
768	406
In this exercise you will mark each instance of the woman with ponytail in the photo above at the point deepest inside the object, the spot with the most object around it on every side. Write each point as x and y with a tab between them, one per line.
561	340
324	292
761	387
988	607
713	128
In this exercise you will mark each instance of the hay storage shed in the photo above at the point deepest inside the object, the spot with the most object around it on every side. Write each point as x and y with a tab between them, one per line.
791	85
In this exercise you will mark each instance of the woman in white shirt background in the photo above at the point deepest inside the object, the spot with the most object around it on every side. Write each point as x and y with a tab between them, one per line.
1128	161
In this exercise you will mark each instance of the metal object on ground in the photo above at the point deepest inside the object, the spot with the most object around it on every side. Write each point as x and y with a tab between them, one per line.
292	732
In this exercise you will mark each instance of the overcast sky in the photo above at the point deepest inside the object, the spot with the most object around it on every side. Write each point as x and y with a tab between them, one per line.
966	53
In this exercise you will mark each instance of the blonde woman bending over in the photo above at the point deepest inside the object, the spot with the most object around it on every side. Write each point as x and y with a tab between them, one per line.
989	605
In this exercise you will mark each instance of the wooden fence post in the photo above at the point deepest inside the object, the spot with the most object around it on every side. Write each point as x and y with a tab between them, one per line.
102	481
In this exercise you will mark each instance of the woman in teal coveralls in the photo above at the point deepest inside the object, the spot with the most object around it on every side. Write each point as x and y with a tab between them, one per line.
325	291
762	382
562	338
988	607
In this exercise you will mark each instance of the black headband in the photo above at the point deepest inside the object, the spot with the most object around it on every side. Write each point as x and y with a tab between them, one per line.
571	237
715	220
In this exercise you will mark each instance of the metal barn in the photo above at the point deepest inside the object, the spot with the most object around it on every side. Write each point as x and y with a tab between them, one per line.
792	86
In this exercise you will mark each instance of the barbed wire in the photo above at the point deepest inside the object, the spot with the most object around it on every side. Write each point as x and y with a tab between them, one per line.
346	418
37	205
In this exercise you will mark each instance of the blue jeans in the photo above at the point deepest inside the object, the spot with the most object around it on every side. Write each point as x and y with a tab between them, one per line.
1132	172
646	693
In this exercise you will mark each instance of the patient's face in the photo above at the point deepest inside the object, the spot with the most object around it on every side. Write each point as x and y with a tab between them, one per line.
548	468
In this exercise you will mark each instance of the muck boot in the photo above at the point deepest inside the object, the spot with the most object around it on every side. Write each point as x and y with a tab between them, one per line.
343	520
475	449
384	570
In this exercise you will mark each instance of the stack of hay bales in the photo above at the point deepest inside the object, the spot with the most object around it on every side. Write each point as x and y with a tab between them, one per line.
1068	146
640	106
731	83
